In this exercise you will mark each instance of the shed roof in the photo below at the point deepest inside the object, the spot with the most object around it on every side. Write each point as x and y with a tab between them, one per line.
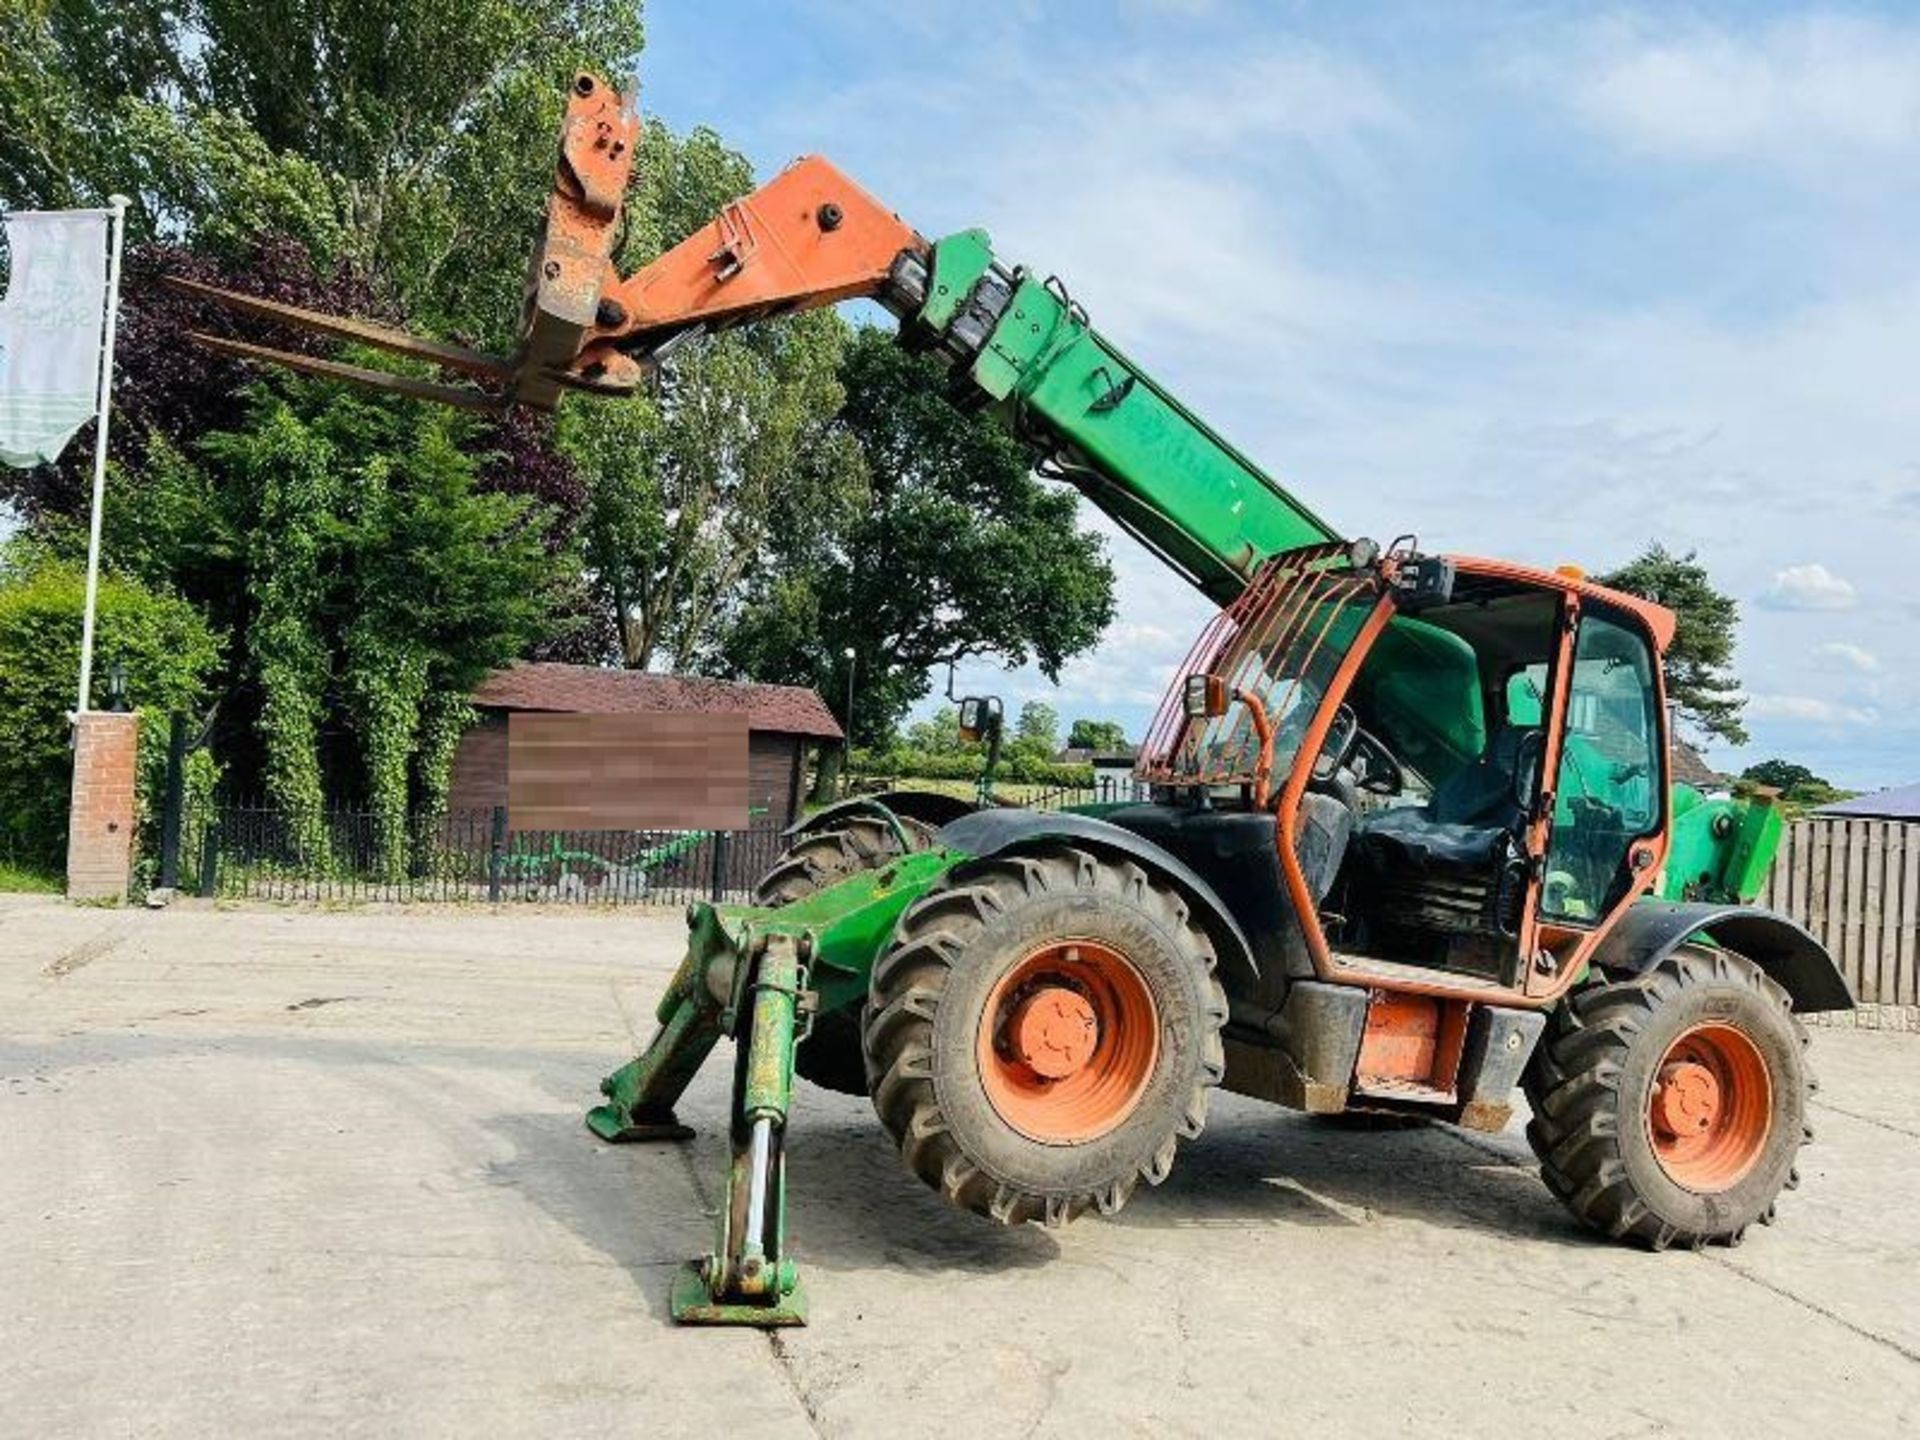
1689	768
590	690
1902	802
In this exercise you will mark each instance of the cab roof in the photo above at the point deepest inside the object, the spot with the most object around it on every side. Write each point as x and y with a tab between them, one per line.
1659	620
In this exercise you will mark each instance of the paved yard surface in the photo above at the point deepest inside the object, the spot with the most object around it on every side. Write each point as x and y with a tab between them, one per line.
287	1173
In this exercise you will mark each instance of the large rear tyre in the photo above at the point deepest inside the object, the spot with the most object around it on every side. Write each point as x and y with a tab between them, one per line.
1669	1109
830	1056
826	857
1043	1032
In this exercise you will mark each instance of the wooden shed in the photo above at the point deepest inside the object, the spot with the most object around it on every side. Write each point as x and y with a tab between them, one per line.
782	721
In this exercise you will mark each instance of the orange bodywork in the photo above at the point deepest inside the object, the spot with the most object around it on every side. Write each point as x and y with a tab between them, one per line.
1411	1040
572	263
1263	731
1265	620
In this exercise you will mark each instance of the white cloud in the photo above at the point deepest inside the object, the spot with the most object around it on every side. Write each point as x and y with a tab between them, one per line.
1791	91
1855	657
1809	709
1808	587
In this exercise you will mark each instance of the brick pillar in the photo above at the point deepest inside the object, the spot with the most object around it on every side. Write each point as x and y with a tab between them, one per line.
100	818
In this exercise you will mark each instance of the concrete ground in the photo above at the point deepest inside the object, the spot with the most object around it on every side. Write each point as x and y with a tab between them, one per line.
289	1172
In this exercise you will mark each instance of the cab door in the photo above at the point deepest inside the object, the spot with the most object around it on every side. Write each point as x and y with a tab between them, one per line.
1610	786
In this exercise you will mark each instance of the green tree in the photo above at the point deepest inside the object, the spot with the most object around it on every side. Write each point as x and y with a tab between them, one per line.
410	137
690	492
1699	679
959	552
1780	774
937	735
350	546
164	645
1800	789
1037	728
1100	736
381	582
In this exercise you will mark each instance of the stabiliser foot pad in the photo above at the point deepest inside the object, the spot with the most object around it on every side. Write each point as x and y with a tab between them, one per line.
691	1303
612	1124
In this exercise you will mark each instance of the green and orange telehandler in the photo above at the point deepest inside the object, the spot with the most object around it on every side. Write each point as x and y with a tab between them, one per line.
1411	840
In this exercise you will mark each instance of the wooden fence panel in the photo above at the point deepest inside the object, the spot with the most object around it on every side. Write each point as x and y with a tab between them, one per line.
1855	884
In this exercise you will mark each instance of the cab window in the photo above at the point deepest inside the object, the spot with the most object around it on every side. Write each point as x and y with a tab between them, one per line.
1608	793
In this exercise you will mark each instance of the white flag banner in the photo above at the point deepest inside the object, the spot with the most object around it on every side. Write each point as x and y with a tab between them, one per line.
50	331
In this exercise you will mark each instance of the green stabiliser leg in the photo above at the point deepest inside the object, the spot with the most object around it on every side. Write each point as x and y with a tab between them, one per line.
750	989
641	1093
749	1279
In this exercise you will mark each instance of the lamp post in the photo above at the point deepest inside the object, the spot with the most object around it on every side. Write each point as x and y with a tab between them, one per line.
117	687
846	740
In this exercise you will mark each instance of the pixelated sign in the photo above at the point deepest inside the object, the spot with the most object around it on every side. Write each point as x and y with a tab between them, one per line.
666	771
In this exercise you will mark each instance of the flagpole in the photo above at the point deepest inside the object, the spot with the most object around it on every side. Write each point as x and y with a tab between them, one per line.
117	225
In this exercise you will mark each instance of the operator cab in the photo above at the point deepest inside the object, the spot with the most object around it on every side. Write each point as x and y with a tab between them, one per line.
1486	777
1448	739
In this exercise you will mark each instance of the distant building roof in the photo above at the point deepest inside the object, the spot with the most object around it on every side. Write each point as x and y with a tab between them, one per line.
588	690
1690	769
1902	802
1087	755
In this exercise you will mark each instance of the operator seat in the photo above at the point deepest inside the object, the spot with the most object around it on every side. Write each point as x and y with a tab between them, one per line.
1465	823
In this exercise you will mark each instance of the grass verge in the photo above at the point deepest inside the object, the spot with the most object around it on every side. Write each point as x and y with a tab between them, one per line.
19	879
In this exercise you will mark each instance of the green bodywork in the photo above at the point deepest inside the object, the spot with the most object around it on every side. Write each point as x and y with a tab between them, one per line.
1166	477
1722	846
1129	446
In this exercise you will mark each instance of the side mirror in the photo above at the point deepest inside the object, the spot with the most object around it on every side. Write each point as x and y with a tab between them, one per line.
1205	696
978	717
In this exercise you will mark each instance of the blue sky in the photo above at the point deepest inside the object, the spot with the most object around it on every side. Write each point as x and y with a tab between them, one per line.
1534	280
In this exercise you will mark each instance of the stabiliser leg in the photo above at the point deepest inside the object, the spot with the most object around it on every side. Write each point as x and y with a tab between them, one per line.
641	1093
748	987
749	1279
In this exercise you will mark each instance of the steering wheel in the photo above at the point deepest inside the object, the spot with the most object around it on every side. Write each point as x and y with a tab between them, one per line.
1375	770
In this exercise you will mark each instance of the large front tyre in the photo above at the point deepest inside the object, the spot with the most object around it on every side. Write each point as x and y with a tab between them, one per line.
830	1058
1043	1032
1669	1109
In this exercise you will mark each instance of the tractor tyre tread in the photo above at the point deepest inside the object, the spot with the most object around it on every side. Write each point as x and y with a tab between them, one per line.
825	857
830	1056
907	987
1576	1084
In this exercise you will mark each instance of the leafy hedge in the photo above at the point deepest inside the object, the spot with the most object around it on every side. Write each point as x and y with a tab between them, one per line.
1015	768
165	645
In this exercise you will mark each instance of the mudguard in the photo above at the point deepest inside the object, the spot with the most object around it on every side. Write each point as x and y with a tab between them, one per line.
927	805
986	833
1654	929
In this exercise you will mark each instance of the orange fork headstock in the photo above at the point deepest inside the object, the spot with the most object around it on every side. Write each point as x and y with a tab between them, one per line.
572	264
807	238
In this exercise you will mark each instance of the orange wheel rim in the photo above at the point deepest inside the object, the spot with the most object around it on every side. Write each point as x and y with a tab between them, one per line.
1068	1041
1710	1110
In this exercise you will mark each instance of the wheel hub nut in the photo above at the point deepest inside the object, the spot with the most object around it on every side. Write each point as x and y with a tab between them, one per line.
1687	1099
1054	1032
